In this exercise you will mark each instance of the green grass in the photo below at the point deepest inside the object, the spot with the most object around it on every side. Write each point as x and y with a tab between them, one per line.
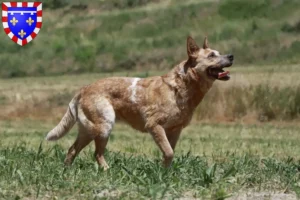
144	35
212	162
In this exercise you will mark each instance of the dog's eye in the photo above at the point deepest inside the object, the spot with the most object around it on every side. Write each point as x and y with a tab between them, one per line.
211	55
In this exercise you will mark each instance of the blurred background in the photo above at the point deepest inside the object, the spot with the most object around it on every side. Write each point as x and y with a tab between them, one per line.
82	41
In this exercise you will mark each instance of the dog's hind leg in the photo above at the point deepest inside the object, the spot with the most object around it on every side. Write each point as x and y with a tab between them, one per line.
104	125
83	139
100	144
104	129
97	127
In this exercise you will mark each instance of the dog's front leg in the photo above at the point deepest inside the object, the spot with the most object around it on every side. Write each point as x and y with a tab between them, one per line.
173	137
159	136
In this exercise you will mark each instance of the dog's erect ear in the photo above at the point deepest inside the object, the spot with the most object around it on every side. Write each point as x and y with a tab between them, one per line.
205	43
192	47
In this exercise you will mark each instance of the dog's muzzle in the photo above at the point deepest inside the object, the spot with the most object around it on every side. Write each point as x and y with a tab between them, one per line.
217	72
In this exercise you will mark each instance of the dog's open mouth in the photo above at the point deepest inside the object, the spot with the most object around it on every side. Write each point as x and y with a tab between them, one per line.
218	73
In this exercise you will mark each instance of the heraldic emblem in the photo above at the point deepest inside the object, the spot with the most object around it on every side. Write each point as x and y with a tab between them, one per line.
22	21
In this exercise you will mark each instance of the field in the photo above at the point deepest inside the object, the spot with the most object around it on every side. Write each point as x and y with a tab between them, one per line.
243	141
217	156
212	161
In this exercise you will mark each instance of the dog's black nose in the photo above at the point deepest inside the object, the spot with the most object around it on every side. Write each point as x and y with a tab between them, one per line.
230	57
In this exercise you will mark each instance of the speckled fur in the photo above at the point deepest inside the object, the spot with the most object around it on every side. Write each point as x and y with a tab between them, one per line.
160	105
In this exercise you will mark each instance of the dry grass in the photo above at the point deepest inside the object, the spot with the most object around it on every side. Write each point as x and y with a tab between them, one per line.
251	95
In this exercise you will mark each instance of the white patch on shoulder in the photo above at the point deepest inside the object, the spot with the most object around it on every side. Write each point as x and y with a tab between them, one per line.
133	89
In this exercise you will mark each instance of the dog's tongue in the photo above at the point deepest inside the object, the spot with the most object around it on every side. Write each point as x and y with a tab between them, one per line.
222	74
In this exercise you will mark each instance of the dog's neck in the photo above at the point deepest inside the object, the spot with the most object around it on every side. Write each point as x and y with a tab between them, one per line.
187	84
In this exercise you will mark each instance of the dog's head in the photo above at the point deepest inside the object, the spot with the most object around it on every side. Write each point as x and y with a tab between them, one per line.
207	63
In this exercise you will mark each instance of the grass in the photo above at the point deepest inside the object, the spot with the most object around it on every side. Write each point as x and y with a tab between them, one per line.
212	162
253	94
106	36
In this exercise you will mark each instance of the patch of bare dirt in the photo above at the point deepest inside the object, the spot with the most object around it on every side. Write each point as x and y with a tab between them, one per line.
263	196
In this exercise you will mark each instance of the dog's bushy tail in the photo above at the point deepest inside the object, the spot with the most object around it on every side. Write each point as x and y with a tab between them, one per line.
66	123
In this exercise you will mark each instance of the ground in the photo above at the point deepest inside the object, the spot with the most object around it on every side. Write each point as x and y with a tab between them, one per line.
229	152
213	161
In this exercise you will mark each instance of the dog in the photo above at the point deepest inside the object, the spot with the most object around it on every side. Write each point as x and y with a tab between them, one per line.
160	105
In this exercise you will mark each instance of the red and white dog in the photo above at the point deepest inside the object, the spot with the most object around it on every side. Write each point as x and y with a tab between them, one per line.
160	105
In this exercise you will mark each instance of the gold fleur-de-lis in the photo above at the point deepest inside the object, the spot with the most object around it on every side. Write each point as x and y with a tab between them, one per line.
22	33
14	21
29	21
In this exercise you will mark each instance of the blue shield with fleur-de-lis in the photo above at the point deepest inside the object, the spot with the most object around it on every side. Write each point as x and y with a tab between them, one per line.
22	21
